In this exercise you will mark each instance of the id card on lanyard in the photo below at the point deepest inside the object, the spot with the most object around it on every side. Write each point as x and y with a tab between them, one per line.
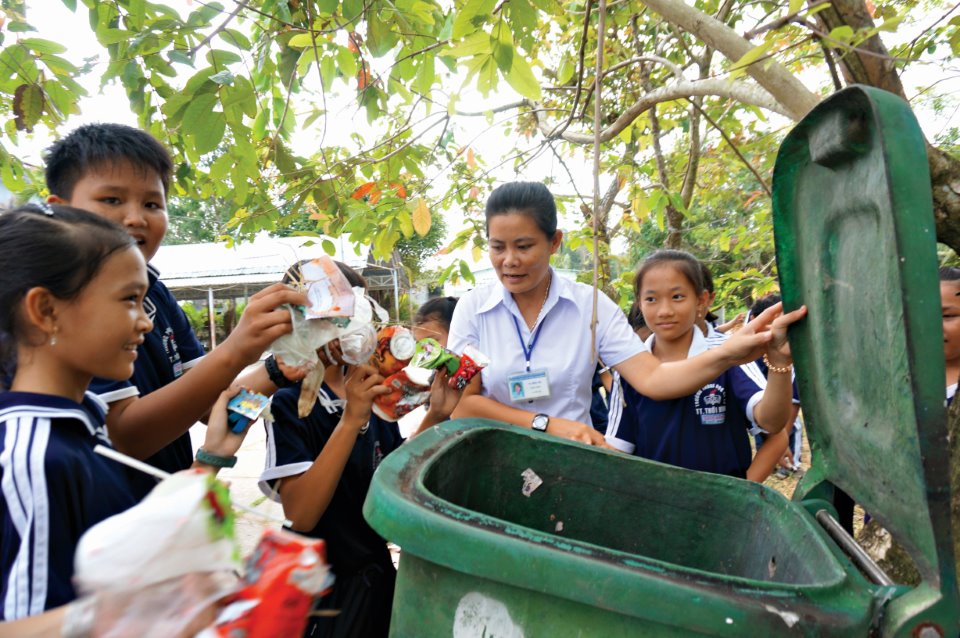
528	385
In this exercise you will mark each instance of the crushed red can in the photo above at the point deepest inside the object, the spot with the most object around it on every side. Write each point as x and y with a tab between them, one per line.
472	361
283	575
395	347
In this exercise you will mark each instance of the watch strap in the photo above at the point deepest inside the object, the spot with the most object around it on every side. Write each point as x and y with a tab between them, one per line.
215	460
275	374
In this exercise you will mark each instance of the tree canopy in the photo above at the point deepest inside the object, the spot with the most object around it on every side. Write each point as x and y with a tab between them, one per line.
694	101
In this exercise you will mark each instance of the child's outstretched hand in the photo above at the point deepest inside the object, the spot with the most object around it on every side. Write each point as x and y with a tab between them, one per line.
766	333
263	321
778	350
220	440
362	386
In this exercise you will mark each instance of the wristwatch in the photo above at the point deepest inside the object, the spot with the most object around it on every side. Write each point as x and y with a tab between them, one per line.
273	371
540	422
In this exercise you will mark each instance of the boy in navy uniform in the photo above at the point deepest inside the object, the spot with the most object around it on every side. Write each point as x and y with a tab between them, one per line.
123	174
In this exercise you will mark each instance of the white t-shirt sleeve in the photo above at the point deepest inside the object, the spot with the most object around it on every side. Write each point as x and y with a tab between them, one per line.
463	327
617	341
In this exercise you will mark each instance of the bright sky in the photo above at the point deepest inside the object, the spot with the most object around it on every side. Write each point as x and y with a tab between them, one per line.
54	21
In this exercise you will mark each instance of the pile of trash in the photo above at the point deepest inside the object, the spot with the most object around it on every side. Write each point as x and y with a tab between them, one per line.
347	315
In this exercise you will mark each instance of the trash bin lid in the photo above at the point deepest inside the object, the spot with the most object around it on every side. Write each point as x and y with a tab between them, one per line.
855	242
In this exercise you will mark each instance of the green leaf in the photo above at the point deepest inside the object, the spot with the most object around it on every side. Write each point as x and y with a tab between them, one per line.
180	56
19	27
347	61
503	46
473	14
520	77
223	77
327	7
477	43
753	55
219	57
566	70
198	112
843	34
113	36
795	6
27	106
42	46
380	38
300	41
465	271
329	247
236	38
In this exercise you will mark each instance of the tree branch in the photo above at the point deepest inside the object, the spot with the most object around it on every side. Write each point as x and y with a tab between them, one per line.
720	87
734	148
783	86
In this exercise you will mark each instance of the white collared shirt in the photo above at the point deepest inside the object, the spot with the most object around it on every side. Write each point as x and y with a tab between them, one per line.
484	318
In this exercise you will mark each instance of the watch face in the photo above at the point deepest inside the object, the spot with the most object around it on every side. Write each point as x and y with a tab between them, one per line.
540	422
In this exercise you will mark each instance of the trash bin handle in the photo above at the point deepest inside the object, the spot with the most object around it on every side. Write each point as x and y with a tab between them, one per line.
856	553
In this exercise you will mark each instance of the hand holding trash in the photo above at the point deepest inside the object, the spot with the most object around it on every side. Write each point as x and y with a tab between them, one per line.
264	320
362	386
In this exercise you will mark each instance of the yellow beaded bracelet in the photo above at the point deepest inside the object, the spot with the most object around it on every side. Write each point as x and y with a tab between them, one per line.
778	369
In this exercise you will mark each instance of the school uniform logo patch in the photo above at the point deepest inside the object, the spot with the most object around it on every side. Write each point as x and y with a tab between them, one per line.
710	403
172	350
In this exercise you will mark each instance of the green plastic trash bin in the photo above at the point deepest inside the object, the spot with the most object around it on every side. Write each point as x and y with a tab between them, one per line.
509	532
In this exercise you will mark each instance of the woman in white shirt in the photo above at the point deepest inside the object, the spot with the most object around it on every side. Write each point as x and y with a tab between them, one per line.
535	328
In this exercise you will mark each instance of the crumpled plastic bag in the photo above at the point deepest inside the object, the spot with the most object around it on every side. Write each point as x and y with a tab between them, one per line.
184	525
175	608
357	334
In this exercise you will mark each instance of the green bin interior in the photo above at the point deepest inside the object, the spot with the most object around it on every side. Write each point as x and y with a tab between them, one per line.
731	528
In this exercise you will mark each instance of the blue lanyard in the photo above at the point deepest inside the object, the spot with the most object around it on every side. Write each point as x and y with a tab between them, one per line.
528	352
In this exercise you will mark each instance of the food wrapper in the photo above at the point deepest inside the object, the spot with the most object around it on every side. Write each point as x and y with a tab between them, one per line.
283	576
327	289
472	361
405	396
244	409
395	347
433	356
184	525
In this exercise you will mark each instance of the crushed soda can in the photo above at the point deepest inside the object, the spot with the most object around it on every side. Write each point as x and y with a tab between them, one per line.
472	361
405	395
282	577
395	347
433	356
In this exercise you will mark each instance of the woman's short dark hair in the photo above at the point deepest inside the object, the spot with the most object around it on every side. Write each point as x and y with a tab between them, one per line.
532	199
49	246
684	262
294	274
439	309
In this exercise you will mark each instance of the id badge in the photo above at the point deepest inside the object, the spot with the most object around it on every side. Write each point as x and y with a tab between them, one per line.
527	386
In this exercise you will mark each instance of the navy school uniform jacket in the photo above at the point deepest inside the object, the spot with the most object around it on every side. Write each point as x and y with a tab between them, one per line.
168	350
706	431
54	488
293	444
